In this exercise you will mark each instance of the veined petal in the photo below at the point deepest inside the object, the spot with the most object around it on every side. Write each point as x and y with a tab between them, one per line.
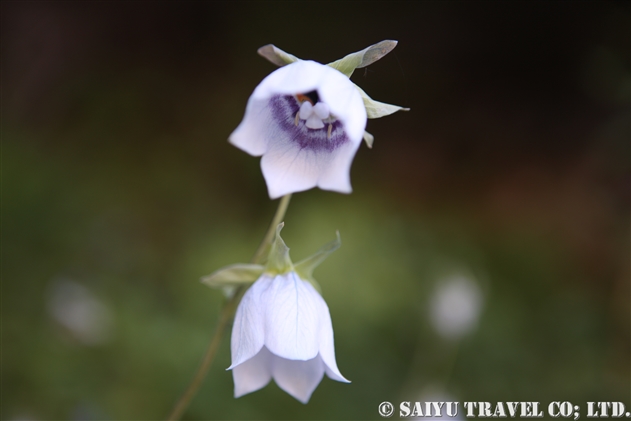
298	378
337	177
327	348
292	318
248	329
253	374
288	168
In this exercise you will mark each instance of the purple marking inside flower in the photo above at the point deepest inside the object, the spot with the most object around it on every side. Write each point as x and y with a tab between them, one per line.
284	110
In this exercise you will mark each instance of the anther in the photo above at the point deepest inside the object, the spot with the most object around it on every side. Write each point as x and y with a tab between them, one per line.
297	119
328	132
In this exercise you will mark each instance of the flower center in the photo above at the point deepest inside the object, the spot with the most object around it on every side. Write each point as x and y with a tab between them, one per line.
314	114
285	110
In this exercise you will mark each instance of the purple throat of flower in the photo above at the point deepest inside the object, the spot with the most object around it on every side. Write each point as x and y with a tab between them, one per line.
286	113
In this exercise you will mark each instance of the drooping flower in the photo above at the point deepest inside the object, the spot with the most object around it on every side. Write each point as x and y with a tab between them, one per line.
307	120
283	331
282	328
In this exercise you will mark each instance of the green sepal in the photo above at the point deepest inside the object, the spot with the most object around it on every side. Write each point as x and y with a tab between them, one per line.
233	275
376	109
278	261
369	139
363	58
305	267
276	55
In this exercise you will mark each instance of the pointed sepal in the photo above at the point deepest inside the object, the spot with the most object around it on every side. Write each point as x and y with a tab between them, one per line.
305	267
278	261
363	58
376	109
233	275
276	55
369	139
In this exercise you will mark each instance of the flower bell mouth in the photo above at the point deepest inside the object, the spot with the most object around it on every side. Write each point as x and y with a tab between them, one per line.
307	120
314	112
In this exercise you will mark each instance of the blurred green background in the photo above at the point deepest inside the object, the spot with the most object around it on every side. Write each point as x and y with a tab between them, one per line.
510	175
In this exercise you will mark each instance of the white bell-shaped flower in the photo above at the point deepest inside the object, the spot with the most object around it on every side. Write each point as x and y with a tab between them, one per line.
282	330
307	120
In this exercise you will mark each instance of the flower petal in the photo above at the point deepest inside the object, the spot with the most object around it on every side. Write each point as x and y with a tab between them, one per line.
247	332
288	168
254	132
298	378
253	374
337	176
327	349
292	316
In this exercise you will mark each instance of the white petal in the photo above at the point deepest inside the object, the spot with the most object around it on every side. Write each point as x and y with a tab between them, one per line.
292	319
337	176
327	349
254	132
247	331
298	378
287	168
253	374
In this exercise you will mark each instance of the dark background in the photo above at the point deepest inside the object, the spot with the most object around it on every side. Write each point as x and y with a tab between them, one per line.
119	190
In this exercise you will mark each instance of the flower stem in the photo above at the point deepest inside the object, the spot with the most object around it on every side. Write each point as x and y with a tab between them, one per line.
269	236
226	314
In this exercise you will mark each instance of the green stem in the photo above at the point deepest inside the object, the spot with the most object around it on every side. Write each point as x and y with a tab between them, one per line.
226	314
269	236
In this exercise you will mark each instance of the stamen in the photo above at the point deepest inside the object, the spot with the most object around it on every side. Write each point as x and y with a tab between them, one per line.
328	132
315	115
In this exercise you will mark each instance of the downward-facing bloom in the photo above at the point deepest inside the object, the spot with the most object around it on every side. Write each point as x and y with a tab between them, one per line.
307	120
282	329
